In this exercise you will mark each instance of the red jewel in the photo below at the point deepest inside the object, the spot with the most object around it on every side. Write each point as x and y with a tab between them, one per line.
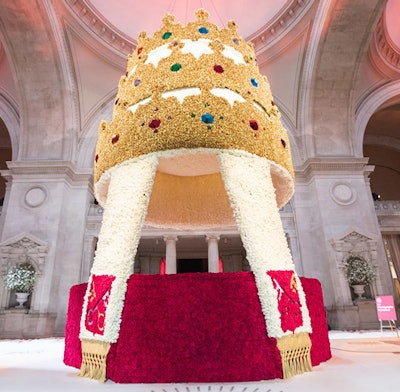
96	157
254	125
154	123
218	69
115	138
139	51
272	103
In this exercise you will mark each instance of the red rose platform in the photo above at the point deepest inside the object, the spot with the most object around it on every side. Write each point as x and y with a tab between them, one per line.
197	327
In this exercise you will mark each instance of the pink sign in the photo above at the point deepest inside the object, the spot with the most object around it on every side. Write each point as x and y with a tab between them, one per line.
385	308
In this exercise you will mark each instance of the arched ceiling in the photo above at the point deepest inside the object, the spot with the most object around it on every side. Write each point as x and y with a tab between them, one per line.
133	17
99	34
256	19
119	22
392	22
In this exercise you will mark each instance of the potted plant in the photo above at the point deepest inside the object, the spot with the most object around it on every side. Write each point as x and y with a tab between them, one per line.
358	273
21	279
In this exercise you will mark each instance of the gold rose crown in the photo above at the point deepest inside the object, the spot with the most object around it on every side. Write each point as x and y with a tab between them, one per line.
193	89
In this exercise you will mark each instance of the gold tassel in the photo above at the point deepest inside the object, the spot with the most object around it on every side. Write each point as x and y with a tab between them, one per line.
295	354
94	357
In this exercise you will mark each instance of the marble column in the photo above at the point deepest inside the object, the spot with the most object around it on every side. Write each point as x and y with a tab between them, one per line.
213	254
170	254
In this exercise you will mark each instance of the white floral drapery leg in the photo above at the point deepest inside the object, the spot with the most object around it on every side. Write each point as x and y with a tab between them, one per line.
127	200
248	182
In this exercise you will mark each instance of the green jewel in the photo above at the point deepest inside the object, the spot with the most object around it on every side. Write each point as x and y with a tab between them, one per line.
176	67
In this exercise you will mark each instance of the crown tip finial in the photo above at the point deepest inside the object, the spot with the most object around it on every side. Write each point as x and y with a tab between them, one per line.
168	19
232	25
201	15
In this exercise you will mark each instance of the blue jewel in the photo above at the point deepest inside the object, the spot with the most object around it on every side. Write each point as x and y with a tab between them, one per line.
207	118
254	82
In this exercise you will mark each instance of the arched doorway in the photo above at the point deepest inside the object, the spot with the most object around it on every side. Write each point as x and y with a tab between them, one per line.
5	155
382	147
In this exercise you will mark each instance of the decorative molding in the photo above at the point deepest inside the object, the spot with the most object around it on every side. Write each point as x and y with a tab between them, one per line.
389	223
25	241
387	207
357	243
21	248
9	113
212	237
343	193
71	106
280	25
332	166
353	233
305	98
46	170
103	30
121	42
35	196
2	52
383	45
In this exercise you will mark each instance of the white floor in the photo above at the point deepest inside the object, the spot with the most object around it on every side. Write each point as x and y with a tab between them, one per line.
362	362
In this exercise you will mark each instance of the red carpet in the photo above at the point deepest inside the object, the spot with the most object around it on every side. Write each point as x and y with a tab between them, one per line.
194	328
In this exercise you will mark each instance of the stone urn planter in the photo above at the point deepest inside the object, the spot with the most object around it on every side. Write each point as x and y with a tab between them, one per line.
21	279
21	298
359	273
359	290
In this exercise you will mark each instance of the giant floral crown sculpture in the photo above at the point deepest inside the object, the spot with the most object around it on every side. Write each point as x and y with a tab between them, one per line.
188	88
195	141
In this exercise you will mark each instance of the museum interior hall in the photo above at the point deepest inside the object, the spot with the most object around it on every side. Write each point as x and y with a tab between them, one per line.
333	67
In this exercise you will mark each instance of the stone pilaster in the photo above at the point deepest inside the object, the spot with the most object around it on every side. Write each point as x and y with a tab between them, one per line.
332	198
48	200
